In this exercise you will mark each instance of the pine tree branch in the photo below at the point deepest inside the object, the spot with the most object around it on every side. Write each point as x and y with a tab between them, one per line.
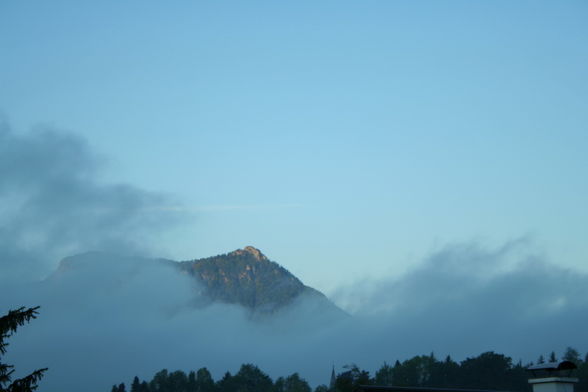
14	319
8	325
5	372
28	383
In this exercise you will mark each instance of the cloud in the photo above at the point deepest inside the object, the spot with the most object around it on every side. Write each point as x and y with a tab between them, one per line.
52	204
468	298
233	207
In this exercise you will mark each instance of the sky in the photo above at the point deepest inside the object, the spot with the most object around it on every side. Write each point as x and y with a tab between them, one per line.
415	161
343	139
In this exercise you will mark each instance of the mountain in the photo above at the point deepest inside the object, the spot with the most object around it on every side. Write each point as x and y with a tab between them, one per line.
248	278
244	277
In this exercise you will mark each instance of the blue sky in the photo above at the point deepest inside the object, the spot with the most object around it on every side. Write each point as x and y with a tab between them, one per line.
344	139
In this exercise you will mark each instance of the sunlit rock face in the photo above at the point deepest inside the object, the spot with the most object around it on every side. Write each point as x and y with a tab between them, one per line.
248	278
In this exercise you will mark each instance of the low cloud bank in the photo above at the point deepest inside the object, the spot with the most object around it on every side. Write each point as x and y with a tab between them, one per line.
115	317
468	298
112	317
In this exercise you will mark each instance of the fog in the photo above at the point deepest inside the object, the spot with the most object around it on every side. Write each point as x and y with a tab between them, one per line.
121	313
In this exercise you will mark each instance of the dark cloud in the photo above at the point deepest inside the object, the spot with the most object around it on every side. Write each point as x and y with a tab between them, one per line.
52	204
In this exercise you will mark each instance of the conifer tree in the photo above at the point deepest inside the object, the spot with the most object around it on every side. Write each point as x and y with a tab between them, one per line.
227	383
136	385
552	357
572	355
204	381
292	383
191	384
384	375
8	325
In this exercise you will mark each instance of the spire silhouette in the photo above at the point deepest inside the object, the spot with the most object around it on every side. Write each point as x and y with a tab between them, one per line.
333	379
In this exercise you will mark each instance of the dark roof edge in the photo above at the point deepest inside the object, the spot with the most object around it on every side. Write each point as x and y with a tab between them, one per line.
392	388
551	366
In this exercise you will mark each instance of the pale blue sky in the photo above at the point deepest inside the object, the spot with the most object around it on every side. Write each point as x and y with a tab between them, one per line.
345	139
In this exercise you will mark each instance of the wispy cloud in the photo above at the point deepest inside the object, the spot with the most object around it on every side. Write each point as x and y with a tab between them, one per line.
231	207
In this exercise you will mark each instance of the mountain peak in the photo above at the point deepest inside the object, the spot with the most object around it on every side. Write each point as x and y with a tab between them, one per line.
246	277
250	250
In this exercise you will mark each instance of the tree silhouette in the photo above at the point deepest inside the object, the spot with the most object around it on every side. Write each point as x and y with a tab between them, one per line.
351	379
251	379
8	325
572	355
204	381
136	385
384	376
292	383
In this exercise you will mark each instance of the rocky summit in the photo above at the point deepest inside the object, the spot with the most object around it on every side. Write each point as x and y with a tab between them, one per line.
248	278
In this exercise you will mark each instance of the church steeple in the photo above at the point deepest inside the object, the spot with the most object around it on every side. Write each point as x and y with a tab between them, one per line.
333	380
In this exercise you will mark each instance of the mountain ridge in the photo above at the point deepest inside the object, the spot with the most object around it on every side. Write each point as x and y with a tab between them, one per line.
244	277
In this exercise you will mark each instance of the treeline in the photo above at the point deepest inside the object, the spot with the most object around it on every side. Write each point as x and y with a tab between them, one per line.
486	371
249	378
